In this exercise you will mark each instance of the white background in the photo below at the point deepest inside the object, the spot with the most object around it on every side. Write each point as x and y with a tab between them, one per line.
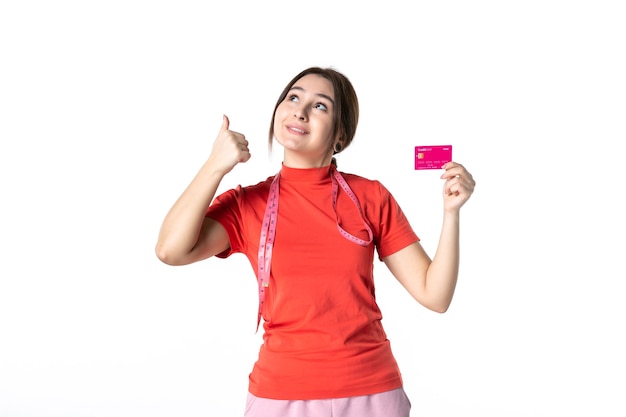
107	110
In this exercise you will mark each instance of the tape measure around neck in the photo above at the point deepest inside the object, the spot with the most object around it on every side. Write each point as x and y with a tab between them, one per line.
268	230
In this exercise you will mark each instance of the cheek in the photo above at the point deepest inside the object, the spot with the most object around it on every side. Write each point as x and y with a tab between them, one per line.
327	129
279	119
278	116
282	110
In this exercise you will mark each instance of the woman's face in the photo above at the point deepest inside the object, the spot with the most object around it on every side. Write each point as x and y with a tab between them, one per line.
304	121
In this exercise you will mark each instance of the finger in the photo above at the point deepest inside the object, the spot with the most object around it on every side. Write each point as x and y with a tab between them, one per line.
457	188
450	164
450	184
225	123
453	169
245	155
451	172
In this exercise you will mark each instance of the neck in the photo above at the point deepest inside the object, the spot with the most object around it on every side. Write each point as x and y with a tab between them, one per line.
296	161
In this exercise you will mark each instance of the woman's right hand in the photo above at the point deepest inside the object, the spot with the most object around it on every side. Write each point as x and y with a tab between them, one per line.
229	149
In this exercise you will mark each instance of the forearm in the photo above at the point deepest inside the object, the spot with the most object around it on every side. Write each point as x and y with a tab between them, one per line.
182	225
433	282
442	274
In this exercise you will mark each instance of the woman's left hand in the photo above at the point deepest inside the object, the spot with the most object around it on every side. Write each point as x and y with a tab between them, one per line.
458	187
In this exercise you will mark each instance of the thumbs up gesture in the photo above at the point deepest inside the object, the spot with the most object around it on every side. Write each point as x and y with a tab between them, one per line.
229	148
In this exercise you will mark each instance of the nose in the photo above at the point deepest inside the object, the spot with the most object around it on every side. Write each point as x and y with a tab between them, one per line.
300	112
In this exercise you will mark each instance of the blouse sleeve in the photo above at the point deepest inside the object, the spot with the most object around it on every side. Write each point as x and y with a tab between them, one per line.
394	230
227	210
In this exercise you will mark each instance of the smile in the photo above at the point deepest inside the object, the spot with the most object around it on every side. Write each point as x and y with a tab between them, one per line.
298	130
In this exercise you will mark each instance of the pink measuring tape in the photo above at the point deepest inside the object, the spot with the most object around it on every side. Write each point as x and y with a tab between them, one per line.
268	230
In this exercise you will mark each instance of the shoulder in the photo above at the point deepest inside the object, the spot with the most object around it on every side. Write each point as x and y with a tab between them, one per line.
243	193
259	186
361	183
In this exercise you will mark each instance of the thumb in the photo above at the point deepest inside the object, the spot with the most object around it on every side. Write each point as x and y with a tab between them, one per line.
225	123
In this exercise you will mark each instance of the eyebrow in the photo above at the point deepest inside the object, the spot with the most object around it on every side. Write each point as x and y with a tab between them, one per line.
317	94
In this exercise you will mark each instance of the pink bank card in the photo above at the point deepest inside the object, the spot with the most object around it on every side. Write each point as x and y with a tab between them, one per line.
432	157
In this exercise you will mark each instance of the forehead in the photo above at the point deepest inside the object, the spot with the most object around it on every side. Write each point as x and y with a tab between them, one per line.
315	84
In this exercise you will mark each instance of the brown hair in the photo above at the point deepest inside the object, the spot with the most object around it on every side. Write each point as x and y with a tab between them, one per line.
346	109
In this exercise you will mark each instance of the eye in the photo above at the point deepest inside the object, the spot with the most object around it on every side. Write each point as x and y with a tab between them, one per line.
293	98
321	106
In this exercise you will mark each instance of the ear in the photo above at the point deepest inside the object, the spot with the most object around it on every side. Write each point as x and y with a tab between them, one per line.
338	145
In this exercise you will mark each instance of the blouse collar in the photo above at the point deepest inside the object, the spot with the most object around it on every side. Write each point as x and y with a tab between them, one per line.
305	174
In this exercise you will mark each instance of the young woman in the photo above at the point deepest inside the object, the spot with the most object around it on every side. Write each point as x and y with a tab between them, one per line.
311	233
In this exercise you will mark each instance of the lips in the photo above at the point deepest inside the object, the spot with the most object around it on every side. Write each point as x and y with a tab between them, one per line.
296	130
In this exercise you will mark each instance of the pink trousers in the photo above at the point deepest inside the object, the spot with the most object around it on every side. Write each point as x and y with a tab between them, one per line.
393	403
